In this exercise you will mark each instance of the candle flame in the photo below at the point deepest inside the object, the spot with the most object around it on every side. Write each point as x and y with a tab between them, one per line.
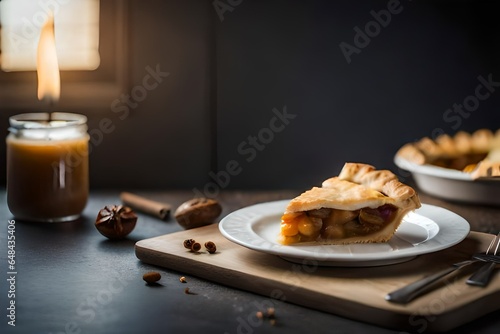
49	83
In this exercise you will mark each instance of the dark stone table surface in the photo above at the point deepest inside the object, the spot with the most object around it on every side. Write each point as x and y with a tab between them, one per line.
70	279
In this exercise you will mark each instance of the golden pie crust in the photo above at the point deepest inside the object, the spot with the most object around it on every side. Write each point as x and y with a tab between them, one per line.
361	205
476	153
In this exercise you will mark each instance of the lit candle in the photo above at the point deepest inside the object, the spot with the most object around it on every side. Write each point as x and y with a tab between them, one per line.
47	153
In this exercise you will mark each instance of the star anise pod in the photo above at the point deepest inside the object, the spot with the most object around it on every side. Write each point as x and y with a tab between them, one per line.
116	221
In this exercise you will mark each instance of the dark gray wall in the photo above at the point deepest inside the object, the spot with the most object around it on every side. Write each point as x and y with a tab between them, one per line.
395	90
230	67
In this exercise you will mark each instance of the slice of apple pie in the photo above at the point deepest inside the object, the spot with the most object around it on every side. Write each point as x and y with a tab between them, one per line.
361	205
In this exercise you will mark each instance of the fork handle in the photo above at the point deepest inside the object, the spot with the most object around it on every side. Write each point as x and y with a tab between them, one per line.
482	276
418	288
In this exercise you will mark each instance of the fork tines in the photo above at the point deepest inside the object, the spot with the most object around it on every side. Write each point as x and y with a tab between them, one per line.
496	240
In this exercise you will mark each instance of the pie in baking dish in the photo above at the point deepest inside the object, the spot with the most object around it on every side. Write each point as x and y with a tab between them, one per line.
361	205
477	153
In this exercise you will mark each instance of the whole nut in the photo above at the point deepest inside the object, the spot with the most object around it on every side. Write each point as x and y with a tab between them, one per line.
196	247
188	243
211	247
115	221
151	277
197	212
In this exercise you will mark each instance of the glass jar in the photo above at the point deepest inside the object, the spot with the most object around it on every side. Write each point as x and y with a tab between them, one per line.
47	166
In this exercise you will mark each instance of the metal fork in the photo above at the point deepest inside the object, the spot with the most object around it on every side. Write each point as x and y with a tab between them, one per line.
409	292
482	276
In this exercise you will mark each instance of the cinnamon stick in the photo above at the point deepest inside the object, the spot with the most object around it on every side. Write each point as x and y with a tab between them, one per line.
157	209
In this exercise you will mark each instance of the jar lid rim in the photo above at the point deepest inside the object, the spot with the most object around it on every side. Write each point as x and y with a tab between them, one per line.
45	120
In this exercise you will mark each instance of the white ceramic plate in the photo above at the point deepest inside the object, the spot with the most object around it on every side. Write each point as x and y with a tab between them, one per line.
452	184
428	229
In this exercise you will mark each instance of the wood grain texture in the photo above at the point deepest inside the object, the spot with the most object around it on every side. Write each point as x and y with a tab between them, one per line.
356	293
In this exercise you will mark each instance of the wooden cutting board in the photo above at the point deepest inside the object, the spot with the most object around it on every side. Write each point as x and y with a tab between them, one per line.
356	293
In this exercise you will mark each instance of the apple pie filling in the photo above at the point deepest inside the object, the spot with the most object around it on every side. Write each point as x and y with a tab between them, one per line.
327	224
459	163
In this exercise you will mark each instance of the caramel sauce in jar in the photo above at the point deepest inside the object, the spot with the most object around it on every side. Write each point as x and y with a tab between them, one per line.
47	166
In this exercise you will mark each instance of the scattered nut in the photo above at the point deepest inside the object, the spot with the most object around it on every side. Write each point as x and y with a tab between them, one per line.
210	246
151	277
195	247
188	243
183	279
270	312
115	221
197	212
187	292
